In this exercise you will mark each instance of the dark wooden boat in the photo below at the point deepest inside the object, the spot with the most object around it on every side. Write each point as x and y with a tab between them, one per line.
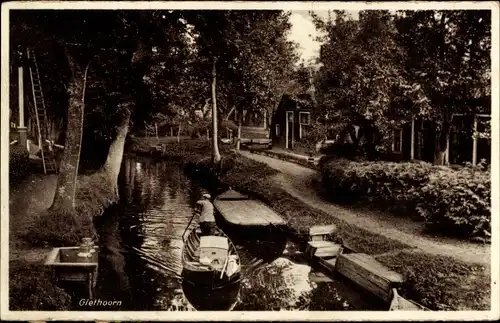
251	223
240	210
206	287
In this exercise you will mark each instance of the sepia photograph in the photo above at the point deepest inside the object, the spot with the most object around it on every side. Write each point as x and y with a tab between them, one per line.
260	160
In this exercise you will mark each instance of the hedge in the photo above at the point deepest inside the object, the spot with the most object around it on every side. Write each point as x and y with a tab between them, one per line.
32	288
455	202
19	162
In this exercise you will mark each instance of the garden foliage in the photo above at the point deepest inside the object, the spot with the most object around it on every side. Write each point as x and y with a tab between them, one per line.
453	201
18	162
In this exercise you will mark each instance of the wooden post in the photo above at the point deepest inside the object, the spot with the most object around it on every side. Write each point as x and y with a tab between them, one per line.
21	97
474	143
21	128
412	147
447	152
265	118
286	130
156	133
171	131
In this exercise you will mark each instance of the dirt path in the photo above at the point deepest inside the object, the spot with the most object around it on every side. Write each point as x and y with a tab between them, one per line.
27	200
297	181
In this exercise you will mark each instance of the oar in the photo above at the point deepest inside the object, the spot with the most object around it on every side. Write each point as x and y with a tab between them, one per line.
224	267
188	227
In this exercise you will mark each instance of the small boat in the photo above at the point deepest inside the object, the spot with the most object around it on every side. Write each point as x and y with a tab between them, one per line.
211	270
240	210
251	223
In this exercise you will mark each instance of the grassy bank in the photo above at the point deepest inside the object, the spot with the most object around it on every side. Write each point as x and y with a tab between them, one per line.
187	150
34	229
436	282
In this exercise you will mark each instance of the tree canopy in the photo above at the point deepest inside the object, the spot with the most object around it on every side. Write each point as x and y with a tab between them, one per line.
386	67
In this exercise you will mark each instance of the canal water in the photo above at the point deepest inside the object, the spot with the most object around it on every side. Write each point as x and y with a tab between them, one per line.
141	244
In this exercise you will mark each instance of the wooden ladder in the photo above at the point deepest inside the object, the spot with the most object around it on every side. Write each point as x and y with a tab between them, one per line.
42	122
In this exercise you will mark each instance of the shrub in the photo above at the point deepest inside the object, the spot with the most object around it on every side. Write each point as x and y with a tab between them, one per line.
456	202
32	288
385	182
18	162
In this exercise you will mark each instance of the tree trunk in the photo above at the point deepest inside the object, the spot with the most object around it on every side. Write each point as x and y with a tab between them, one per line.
238	139
441	140
215	148
179	134
64	198
230	112
115	154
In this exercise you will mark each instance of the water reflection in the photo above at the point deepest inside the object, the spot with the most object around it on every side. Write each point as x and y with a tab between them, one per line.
141	241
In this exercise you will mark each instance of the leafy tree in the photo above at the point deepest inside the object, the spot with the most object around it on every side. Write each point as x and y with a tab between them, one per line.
119	45
448	53
384	68
248	51
361	79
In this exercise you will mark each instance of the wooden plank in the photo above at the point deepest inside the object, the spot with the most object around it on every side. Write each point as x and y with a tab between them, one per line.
331	251
366	275
322	230
321	244
313	246
361	281
52	257
329	264
381	270
371	273
317	277
317	238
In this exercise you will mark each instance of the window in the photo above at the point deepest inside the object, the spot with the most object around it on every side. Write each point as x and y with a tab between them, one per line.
305	118
277	130
305	121
397	141
303	131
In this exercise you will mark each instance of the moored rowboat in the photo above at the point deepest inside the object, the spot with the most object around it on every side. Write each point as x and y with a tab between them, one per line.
251	223
240	210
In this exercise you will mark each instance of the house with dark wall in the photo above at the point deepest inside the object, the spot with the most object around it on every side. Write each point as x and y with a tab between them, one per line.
463	145
291	120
